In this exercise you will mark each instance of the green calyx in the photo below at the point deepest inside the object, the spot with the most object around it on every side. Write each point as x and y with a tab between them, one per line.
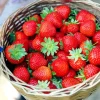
97	26
49	46
76	54
30	18
46	11
43	84
17	52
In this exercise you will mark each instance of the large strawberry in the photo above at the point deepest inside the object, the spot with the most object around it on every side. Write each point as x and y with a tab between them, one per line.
60	67
90	70
42	73
15	54
22	73
76	59
29	28
63	10
69	42
67	82
88	28
37	60
85	15
47	29
94	56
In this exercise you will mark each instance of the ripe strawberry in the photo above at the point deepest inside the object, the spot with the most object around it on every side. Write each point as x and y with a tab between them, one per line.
42	73
67	82
63	29
15	54
47	29
54	18
36	43
85	15
37	60
63	10
90	70
29	28
96	37
33	81
69	42
76	59
20	35
94	56
60	67
22	73
59	36
80	37
88	28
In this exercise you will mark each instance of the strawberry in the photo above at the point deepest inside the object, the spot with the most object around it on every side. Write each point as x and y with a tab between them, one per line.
85	15
60	67
29	28
22	73
29	55
90	70
33	81
88	28
15	54
36	43
42	73
63	10
59	36
80	37
37	60
69	42
54	18
96	37
63	29
94	56
67	82
76	59
47	29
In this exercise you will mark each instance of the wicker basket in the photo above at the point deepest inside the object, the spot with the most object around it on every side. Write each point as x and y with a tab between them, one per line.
14	22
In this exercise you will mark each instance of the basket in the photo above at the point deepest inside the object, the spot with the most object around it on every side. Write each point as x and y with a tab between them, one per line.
14	22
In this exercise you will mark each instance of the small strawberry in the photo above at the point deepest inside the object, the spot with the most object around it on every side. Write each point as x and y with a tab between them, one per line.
67	82
42	73
85	15
37	60
47	29
88	28
22	73
60	67
90	70
63	10
36	43
33	81
96	37
76	59
69	42
94	56
29	28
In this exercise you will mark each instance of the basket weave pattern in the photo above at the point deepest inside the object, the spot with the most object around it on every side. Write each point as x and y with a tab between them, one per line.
14	23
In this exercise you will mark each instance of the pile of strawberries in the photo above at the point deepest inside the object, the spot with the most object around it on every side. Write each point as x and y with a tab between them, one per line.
57	48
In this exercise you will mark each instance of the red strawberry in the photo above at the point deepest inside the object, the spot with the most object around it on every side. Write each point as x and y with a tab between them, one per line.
90	70
67	82
88	28
37	60
63	29
36	43
29	55
94	56
54	18
60	67
22	73
42	73
59	36
96	37
12	56
33	81
29	28
85	15
69	42
47	29
80	37
63	10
